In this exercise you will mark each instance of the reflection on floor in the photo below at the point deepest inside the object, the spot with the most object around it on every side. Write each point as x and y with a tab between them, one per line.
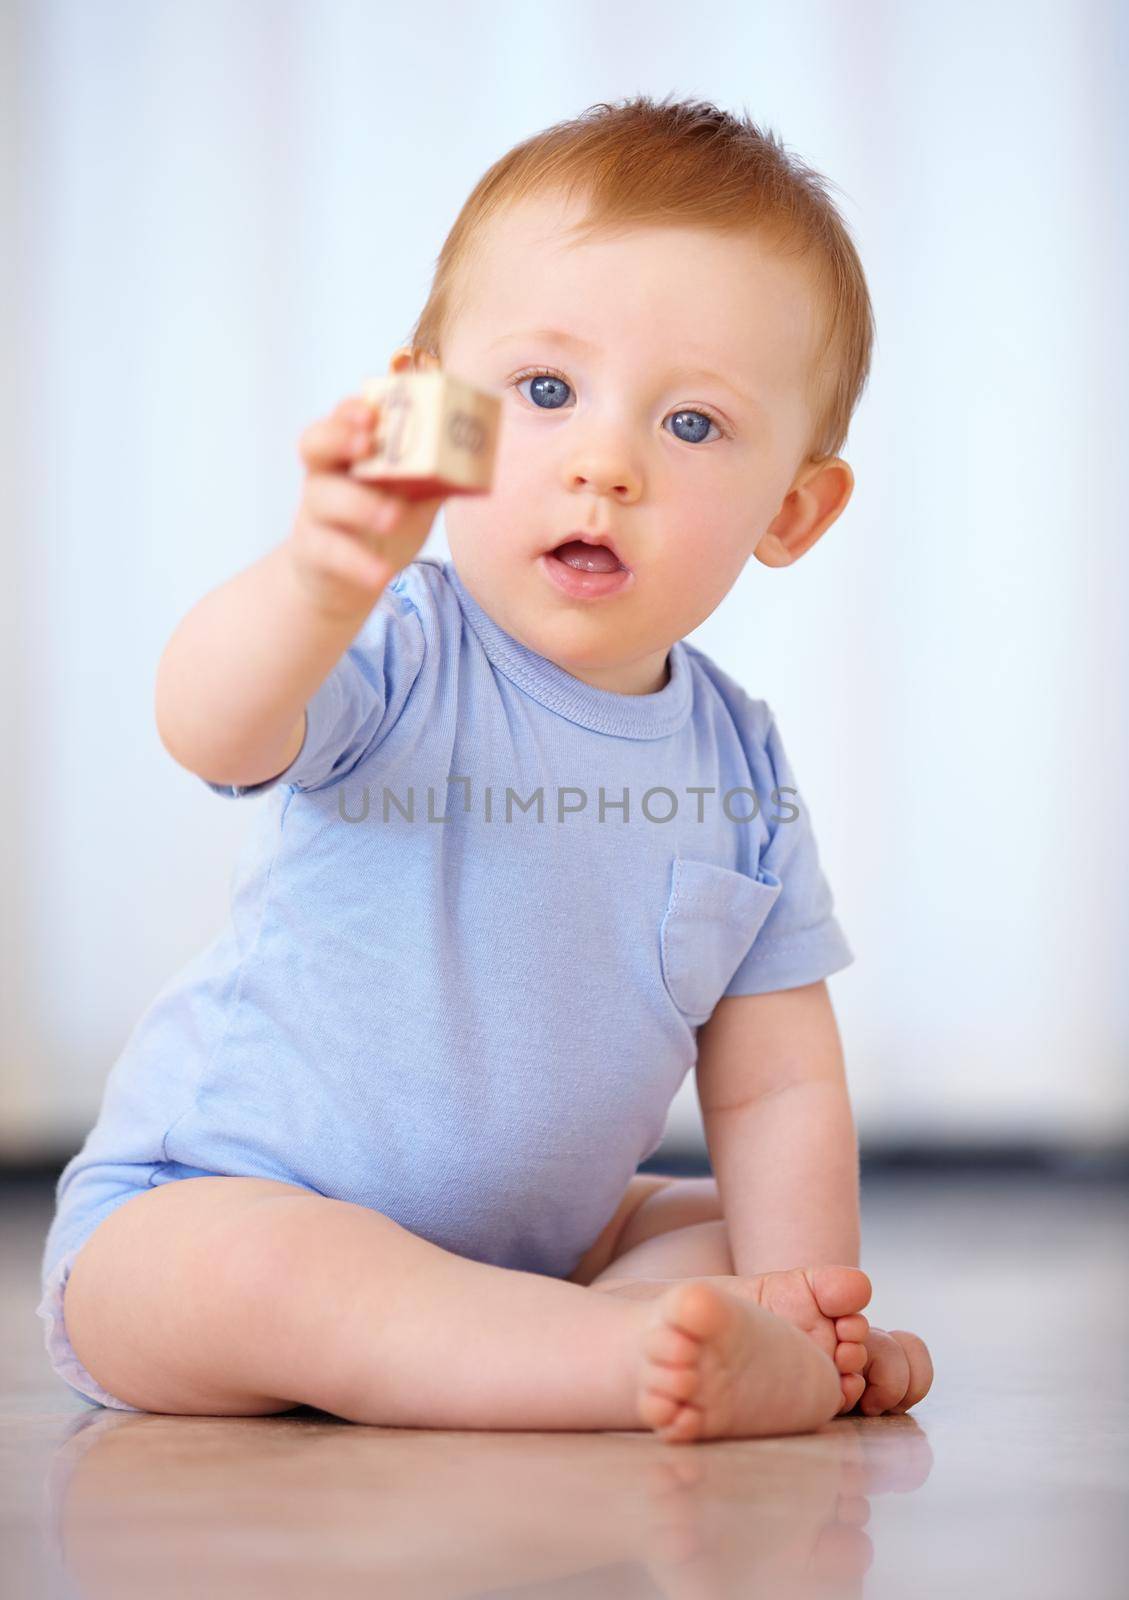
1009	1479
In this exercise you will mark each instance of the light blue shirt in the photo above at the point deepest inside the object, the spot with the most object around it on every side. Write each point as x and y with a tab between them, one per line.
474	931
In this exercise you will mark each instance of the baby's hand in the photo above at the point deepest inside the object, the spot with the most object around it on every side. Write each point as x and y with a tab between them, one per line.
351	538
898	1372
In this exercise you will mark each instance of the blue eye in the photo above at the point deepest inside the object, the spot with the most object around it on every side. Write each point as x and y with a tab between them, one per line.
699	425
550	390
547	393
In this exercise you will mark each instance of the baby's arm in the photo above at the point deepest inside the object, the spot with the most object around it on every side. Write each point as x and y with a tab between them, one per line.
235	678
782	1142
780	1131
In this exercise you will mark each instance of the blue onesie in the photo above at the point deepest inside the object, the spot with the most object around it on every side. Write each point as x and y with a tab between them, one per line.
474	930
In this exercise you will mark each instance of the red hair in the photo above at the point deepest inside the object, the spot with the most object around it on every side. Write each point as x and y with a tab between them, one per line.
643	163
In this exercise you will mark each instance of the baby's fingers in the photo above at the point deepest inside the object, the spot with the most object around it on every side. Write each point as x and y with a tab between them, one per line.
338	440
364	509
347	560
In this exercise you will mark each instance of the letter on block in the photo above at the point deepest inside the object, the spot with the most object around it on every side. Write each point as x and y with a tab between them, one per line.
435	435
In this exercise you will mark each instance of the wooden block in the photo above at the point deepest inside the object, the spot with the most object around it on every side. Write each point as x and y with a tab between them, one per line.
435	435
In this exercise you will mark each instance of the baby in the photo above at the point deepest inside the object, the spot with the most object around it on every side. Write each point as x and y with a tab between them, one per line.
526	858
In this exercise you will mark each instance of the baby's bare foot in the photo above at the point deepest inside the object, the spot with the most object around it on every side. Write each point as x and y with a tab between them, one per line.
823	1302
718	1367
826	1304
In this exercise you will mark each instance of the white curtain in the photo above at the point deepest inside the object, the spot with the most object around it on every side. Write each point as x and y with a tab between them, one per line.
221	217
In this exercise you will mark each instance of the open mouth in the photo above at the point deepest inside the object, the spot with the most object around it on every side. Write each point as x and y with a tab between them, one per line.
583	556
584	570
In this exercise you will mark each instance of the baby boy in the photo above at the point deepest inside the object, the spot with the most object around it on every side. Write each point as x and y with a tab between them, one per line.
526	858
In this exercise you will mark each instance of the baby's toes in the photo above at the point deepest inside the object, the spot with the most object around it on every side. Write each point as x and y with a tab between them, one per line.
887	1376
670	1346
853	1329
673	1383
840	1291
851	1356
920	1368
853	1385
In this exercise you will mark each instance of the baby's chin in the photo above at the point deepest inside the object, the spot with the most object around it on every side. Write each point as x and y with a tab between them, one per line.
580	636
598	651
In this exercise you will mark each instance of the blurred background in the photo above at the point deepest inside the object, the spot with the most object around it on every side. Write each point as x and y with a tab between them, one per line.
221	218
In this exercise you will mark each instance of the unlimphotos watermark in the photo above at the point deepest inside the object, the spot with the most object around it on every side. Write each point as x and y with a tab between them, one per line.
665	809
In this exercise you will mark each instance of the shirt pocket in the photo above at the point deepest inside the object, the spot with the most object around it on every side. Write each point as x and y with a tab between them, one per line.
712	917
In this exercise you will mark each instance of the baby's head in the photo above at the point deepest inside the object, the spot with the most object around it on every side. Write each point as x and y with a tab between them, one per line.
713	337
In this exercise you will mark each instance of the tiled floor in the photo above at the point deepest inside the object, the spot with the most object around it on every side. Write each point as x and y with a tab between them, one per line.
1009	1479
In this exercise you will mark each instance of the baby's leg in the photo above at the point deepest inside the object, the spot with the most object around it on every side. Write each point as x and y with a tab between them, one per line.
242	1296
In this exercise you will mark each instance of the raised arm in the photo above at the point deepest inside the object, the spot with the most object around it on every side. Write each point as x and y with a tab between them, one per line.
235	678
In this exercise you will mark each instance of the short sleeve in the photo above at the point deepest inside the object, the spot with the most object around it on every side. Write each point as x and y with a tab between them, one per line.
800	940
358	704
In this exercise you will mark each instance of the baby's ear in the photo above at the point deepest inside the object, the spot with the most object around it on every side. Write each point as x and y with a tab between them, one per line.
405	359
771	553
817	497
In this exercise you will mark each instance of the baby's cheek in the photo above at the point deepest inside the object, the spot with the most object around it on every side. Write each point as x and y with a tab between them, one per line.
514	515
478	527
704	558
705	519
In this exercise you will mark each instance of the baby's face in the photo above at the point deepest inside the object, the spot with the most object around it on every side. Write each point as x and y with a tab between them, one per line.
683	472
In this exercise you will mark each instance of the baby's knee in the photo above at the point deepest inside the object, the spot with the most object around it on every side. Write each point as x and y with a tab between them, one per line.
160	1307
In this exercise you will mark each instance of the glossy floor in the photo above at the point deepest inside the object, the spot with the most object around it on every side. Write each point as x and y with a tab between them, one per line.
1009	1479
